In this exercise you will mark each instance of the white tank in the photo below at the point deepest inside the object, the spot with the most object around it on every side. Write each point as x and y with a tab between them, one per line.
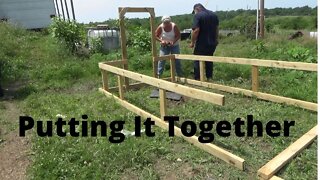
110	37
313	34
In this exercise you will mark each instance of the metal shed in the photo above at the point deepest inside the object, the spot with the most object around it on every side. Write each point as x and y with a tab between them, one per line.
30	14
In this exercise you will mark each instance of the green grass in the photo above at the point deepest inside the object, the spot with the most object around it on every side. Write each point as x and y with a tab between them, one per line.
61	83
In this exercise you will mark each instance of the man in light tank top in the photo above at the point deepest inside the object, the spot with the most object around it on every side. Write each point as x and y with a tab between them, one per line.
168	34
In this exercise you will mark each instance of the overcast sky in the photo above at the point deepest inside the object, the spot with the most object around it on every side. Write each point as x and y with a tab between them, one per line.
101	10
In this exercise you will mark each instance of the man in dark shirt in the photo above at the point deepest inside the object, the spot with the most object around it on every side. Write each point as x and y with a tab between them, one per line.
204	37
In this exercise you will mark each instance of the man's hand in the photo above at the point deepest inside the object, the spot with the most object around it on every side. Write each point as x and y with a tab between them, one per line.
191	45
163	43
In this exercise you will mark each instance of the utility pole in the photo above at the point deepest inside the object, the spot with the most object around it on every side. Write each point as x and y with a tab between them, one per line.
257	21
261	18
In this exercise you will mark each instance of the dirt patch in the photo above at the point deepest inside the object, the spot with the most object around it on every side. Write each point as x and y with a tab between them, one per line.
14	158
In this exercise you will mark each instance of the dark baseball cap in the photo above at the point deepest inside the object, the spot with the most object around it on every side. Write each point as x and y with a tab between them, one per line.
198	5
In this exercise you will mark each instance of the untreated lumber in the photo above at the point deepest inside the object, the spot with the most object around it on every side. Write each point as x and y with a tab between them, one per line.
163	58
208	147
183	90
253	62
136	85
275	178
116	63
268	97
273	166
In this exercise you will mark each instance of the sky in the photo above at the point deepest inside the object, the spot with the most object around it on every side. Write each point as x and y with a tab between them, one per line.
100	10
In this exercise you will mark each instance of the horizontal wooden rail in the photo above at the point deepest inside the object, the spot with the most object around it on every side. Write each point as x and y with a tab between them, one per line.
164	58
208	147
116	63
268	97
169	86
254	62
273	166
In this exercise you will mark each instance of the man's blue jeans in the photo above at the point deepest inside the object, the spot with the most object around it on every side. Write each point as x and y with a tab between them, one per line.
166	51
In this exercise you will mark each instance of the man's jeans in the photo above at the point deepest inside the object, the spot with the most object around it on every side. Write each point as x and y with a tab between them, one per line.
209	65
166	51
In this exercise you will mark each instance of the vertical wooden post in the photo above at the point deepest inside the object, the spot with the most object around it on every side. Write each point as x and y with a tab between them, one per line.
105	80
163	103
202	71
173	68
153	40
123	44
255	78
120	84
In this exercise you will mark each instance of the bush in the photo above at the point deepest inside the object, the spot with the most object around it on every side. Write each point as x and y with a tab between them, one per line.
69	33
140	39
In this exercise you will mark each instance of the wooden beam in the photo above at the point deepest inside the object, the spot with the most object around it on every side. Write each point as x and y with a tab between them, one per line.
275	178
173	69
163	103
153	39
120	86
116	63
164	58
105	80
273	166
255	78
253	62
183	90
136	9
208	147
123	37
137	85
202	71
268	97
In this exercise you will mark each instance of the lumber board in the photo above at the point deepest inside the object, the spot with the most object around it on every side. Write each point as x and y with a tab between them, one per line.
202	71
134	85
163	58
275	178
105	80
116	63
273	166
264	96
173	69
208	147
120	85
255	78
162	84
253	62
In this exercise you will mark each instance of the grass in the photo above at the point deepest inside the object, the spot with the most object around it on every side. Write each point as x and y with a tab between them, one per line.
61	83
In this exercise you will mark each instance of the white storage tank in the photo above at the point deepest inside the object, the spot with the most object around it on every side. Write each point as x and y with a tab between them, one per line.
313	34
110	37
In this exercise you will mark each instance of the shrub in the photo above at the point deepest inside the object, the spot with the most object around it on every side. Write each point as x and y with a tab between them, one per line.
140	39
70	33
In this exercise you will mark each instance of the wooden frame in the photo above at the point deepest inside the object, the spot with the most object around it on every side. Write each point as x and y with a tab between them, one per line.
169	86
273	166
163	86
269	170
255	63
122	12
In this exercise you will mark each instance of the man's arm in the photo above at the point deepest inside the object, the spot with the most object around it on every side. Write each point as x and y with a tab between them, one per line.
158	33
194	36
177	34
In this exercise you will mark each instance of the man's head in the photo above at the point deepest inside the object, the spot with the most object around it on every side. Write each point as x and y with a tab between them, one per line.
197	8
166	19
